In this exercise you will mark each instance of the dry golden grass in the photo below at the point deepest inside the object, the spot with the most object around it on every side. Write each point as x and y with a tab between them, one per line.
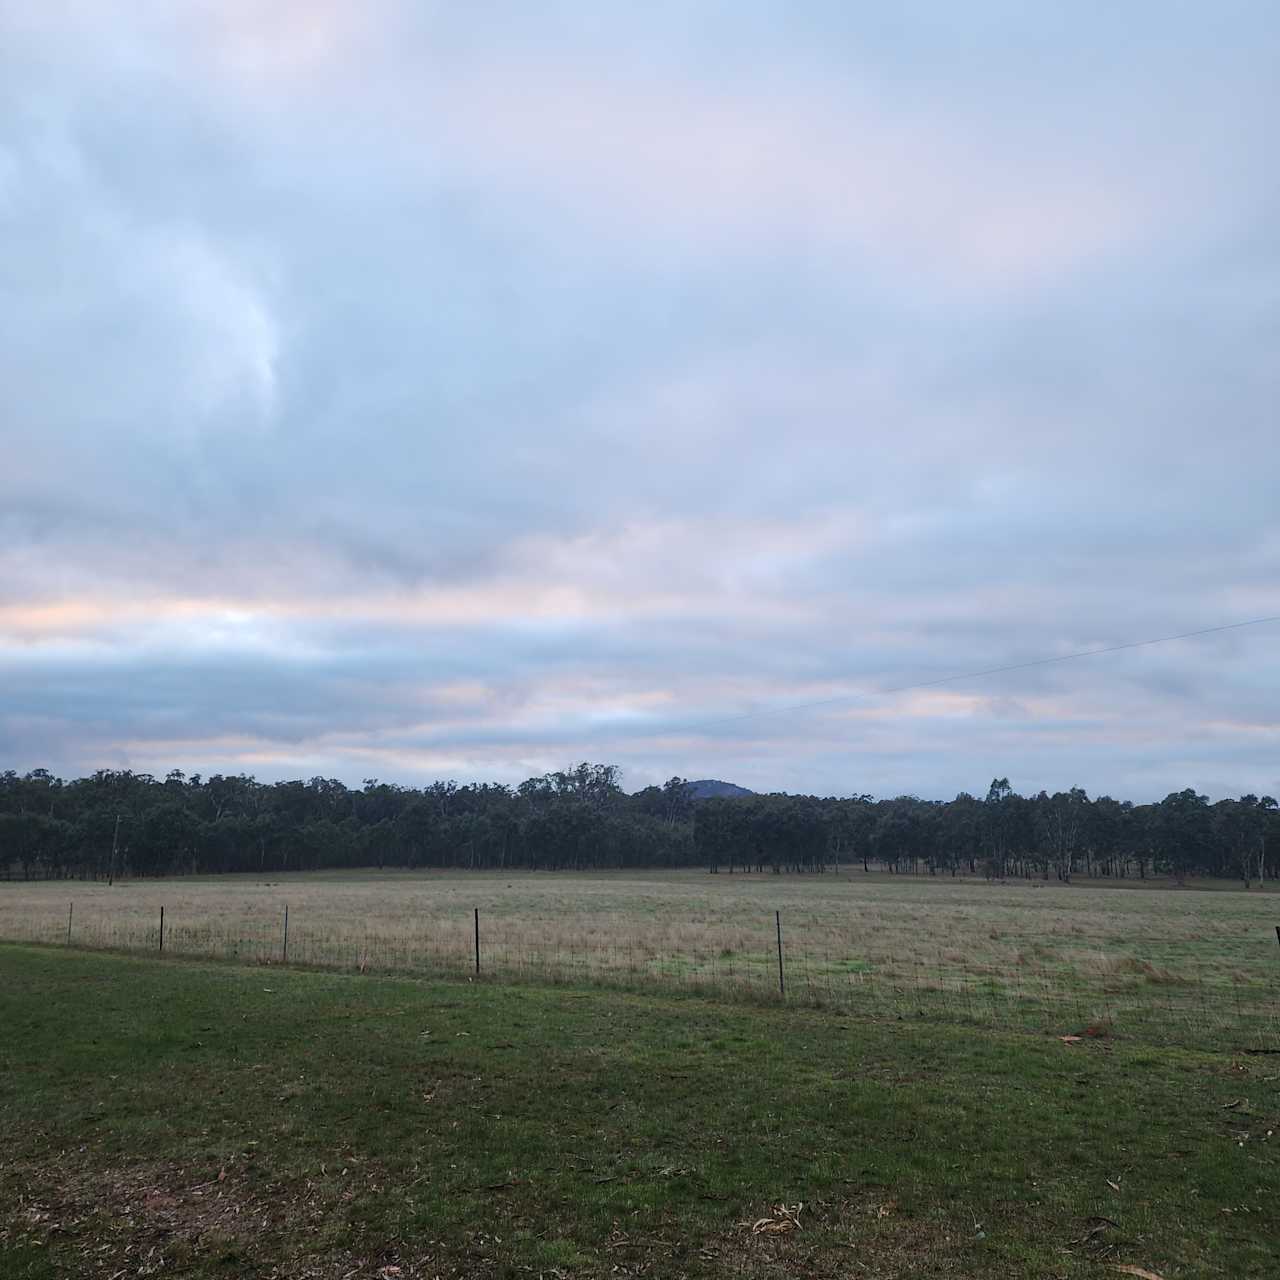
990	952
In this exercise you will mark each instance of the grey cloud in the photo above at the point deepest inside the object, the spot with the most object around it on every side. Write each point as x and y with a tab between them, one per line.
584	313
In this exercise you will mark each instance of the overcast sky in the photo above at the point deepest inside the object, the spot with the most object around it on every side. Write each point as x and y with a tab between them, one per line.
414	390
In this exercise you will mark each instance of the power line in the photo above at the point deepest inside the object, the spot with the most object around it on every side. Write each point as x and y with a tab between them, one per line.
985	671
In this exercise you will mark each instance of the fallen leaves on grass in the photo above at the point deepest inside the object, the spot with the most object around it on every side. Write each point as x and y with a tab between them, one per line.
1095	1227
1128	1269
783	1218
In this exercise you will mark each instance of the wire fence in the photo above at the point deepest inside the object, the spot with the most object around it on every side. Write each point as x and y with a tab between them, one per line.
1125	996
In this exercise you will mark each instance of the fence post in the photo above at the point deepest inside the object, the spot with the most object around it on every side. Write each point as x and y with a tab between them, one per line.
284	946
782	985
477	911
162	928
115	846
71	906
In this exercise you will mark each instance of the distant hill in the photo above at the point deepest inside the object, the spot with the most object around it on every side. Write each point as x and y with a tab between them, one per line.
705	788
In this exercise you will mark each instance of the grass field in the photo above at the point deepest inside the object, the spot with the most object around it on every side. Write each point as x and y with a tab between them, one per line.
173	1117
1169	965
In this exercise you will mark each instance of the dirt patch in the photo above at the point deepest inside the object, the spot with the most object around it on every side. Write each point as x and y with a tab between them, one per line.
822	1240
172	1219
153	1219
144	1219
165	1219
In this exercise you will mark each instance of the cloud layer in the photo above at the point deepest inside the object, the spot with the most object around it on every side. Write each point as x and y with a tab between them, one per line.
410	391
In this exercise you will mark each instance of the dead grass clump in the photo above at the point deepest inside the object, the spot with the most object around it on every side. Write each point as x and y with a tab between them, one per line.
1163	977
1134	967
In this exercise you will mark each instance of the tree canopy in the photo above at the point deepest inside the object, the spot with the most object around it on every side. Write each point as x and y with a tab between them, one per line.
117	822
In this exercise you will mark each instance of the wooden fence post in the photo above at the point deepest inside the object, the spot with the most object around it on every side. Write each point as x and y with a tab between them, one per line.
782	984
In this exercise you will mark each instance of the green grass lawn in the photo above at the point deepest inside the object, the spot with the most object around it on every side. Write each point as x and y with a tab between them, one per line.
169	1118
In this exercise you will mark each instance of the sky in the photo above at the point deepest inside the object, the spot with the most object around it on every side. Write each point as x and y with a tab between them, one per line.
412	390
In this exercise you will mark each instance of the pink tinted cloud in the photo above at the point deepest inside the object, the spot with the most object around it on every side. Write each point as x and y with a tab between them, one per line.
806	165
642	570
813	168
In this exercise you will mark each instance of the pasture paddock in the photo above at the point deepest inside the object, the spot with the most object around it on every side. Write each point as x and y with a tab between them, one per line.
1180	965
224	1122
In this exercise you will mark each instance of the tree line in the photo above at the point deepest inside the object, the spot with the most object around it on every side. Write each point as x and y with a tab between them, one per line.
120	823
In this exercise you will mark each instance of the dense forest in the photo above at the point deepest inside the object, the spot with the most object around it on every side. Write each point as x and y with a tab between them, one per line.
120	823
